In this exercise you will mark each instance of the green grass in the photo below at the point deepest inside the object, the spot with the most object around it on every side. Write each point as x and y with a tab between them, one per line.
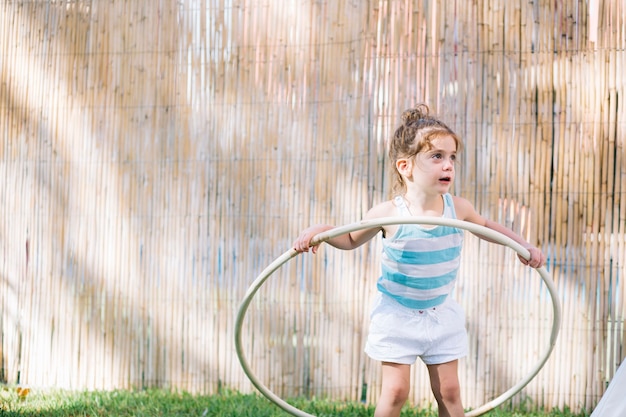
156	403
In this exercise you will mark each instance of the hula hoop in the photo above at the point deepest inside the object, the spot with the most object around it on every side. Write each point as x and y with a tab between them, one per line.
368	224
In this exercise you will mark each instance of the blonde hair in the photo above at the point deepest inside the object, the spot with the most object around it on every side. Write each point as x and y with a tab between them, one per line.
416	134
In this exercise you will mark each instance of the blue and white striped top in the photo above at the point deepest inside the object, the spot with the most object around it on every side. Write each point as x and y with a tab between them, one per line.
420	264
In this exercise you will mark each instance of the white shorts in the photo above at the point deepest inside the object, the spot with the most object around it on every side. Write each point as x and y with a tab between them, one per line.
399	334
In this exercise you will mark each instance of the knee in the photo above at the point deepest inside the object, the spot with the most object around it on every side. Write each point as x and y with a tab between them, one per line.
395	394
449	393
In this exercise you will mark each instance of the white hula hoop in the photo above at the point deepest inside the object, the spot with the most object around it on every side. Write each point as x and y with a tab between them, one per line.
368	224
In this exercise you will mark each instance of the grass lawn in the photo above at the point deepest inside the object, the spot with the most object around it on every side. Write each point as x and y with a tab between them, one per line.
156	403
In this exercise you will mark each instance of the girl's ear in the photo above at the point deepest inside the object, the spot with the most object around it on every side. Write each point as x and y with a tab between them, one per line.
404	167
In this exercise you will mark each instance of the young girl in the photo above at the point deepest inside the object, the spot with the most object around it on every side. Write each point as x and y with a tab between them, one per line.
413	315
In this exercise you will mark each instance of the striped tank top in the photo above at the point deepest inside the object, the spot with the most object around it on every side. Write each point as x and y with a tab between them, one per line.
420	264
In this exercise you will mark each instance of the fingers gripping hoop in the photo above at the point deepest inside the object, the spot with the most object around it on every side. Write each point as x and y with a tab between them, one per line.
369	224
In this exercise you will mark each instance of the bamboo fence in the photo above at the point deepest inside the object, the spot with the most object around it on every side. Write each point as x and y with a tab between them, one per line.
155	156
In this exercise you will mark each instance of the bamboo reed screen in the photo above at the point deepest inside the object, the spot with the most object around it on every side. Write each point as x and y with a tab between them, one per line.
157	155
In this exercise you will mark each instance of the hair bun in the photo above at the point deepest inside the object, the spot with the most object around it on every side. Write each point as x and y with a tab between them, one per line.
415	114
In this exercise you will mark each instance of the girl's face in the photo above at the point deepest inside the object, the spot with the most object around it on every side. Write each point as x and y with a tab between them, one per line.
433	169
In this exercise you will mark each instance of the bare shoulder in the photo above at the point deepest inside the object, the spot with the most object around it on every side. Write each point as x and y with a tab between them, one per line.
384	209
466	211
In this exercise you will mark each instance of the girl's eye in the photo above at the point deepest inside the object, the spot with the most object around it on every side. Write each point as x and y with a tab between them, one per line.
437	156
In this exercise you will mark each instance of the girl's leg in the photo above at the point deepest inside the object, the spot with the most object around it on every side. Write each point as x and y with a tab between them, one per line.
395	389
444	381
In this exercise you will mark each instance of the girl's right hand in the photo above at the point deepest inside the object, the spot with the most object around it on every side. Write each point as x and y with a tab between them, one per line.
303	242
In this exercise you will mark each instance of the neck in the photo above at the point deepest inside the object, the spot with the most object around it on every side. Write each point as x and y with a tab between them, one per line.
424	205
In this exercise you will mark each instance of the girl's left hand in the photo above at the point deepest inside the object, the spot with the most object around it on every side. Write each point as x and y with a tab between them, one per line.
537	258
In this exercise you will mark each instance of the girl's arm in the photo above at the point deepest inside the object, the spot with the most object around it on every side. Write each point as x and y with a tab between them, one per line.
465	211
347	241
